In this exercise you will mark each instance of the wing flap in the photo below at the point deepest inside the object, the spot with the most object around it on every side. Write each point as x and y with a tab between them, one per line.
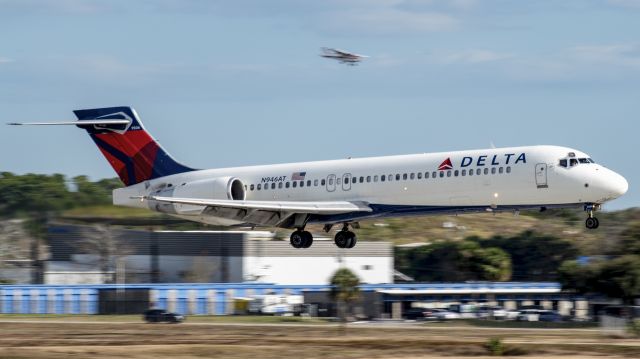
319	207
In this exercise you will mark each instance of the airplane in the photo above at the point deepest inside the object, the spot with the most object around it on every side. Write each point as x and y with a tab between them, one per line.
345	191
344	57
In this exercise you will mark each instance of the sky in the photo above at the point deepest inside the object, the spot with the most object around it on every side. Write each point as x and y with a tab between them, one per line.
232	83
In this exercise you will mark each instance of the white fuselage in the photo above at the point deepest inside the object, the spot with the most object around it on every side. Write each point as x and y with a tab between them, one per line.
475	180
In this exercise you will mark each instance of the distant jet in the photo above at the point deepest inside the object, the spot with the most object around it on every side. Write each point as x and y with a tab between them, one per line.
344	57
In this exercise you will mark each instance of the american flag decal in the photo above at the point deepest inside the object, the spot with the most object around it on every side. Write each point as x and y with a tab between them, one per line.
298	176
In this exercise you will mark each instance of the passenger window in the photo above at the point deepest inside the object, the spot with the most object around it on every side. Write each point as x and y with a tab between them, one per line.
426	175
486	171
419	175
294	184
301	183
508	169
375	178
286	185
390	178
464	172
279	184
361	179
434	174
339	181
441	174
330	182
322	182
448	173
308	183
493	170
563	163
404	176
382	178
265	187
455	173
251	187
470	172
346	180
412	176
259	186
478	172
368	179
397	177
500	170
315	183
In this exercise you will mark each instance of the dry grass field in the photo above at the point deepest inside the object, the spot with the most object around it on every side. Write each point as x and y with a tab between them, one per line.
62	338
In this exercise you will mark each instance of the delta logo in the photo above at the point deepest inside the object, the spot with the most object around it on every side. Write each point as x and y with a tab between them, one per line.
445	165
485	160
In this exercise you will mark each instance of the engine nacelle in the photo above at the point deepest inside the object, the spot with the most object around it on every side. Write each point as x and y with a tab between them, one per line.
212	188
228	188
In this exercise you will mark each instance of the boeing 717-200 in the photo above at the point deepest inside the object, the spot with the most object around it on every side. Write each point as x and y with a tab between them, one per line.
343	192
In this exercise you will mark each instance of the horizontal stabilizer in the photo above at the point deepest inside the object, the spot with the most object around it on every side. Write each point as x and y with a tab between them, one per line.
76	123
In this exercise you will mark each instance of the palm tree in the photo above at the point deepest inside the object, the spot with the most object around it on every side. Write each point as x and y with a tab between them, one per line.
344	290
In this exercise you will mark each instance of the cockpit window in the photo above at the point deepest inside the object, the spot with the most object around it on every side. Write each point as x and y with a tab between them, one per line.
563	163
573	162
586	160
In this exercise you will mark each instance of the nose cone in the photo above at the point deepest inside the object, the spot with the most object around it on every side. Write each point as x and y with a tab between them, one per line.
617	185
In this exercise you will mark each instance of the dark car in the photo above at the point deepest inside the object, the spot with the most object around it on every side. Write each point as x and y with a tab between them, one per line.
414	313
161	315
549	316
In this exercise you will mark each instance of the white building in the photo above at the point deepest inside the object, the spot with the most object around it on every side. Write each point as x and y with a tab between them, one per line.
205	257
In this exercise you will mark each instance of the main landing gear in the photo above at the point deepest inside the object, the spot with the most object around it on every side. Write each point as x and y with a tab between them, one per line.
301	239
591	222
343	239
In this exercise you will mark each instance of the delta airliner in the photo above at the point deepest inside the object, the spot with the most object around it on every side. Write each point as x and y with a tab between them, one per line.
343	192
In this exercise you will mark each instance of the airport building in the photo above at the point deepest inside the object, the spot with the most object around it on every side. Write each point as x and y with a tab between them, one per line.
378	300
84	255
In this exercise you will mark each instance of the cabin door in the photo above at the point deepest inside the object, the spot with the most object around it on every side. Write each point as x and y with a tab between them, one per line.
331	183
346	182
541	175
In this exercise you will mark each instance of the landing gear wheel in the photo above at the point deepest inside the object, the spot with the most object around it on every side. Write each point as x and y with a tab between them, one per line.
352	240
345	239
308	239
296	239
592	223
301	239
341	239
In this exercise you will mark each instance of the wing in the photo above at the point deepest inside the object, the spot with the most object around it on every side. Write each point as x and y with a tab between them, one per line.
272	213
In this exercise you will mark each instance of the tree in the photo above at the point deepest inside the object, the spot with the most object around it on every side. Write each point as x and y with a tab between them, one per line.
345	290
455	261
617	278
534	256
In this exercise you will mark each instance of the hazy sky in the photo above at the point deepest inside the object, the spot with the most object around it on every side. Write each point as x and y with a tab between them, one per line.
240	82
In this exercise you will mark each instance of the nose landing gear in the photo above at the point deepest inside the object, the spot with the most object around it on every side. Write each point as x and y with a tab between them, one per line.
591	222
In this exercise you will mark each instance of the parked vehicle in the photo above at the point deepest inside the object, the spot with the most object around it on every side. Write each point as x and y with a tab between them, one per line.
416	313
491	312
549	316
161	315
275	304
444	314
529	315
